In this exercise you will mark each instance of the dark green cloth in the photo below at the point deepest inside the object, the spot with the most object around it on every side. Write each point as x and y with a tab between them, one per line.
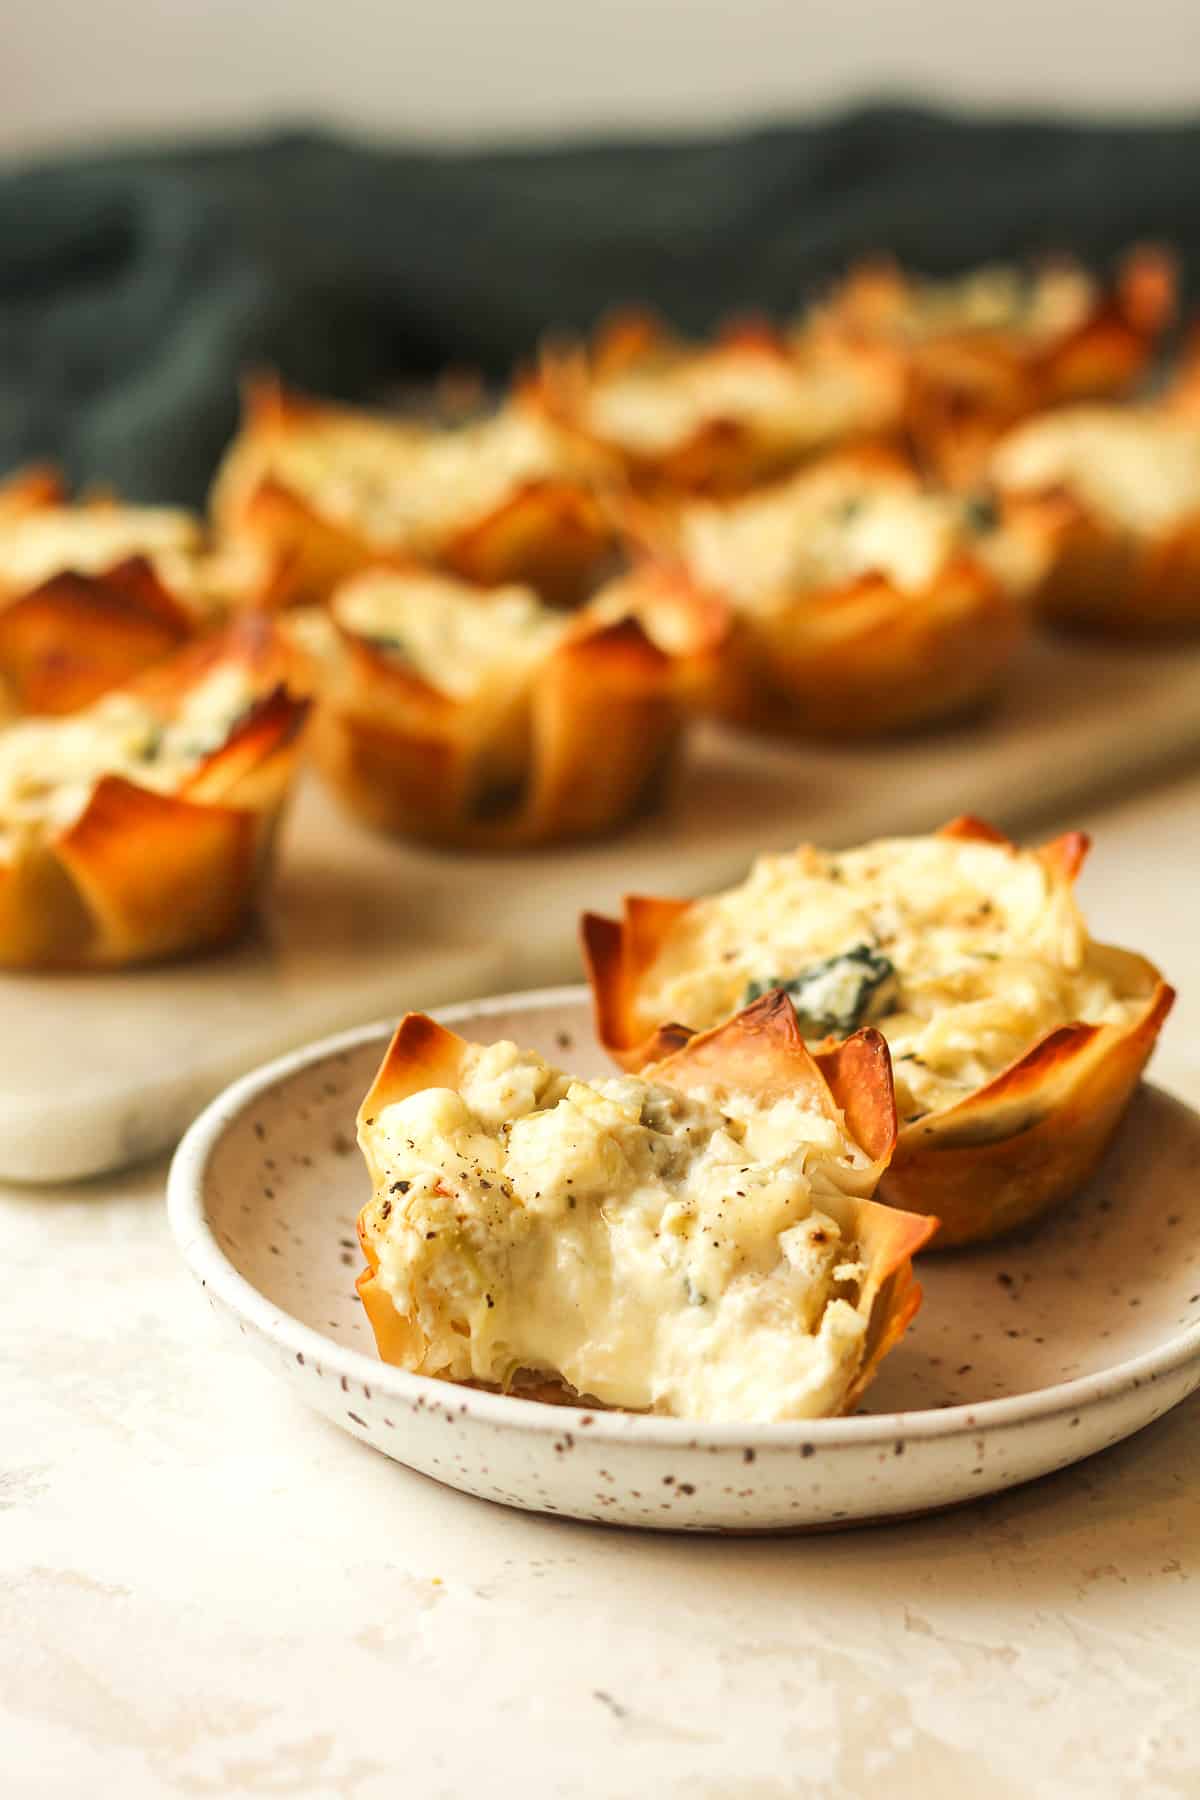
136	285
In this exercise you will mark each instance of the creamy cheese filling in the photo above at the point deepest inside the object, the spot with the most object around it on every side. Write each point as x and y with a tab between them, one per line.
691	1255
657	408
90	540
49	767
406	486
1139	468
453	637
998	297
822	530
988	953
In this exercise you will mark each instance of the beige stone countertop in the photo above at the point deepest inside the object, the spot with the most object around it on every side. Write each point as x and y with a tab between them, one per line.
205	1590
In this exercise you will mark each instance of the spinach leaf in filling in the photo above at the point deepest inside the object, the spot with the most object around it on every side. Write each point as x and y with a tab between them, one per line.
838	995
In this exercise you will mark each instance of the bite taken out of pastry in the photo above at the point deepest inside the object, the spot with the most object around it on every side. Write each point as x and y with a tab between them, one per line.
1017	1041
698	1241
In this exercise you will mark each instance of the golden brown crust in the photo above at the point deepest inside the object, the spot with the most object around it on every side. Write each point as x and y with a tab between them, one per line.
550	532
70	638
141	875
158	874
308	554
722	455
867	659
600	722
759	1051
1102	578
996	1160
1017	1147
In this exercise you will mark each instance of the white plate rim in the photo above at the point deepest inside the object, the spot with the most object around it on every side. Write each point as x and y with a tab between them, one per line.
218	1276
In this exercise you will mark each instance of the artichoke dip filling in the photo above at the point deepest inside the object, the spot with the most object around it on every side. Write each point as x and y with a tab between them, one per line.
49	767
1138	468
410	486
826	530
685	1254
447	633
963	953
1001	297
654	409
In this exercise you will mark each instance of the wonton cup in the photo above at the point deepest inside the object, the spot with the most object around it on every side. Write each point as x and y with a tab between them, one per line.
759	1052
727	446
866	660
1121	577
551	530
968	381
140	874
574	745
991	1162
858	657
73	632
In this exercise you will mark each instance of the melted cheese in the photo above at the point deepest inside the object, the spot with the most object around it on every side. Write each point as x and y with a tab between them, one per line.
686	1255
990	952
90	540
49	767
653	409
997	298
458	640
822	530
405	486
1139	468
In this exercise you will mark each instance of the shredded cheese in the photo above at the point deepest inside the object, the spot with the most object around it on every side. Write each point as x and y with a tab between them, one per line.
988	946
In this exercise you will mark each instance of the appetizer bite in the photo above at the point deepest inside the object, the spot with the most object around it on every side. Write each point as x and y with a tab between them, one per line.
698	1242
1016	1040
1114	493
324	491
483	717
987	348
715	416
139	827
93	592
864	602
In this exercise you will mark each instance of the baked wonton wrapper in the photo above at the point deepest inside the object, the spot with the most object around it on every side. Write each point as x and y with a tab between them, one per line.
993	346
93	592
714	417
569	737
998	1157
758	1055
324	491
1113	493
137	873
841	635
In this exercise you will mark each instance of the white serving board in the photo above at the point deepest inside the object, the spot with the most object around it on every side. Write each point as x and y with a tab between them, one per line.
98	1071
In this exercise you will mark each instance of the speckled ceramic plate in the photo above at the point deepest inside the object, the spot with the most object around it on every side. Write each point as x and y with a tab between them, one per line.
1026	1356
